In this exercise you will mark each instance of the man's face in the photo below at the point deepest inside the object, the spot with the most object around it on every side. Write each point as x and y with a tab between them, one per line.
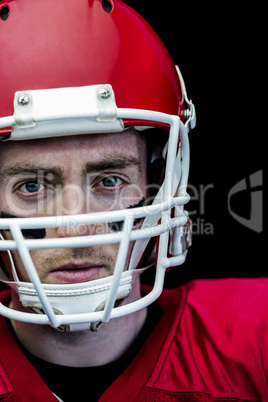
68	176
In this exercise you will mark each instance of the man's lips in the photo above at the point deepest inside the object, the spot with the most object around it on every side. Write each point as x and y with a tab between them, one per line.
75	273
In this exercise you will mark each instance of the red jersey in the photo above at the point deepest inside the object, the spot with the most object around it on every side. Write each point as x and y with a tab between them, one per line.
211	344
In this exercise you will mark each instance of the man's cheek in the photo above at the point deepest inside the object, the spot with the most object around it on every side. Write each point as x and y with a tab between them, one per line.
28	233
118	226
5	264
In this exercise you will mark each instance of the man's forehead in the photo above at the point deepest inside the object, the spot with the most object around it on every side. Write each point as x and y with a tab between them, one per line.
81	149
129	136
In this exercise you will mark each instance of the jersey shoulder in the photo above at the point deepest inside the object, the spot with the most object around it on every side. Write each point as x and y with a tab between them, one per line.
217	344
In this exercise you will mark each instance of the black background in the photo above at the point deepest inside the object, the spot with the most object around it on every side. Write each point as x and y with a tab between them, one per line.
219	51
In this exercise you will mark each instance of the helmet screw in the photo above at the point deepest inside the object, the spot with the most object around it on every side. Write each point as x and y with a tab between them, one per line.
188	114
23	100
104	93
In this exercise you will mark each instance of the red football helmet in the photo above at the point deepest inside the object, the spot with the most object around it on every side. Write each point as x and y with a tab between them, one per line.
81	67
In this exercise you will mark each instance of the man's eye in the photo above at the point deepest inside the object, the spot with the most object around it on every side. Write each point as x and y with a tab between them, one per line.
111	181
31	187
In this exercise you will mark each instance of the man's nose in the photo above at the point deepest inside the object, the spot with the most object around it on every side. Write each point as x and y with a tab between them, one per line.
74	229
71	203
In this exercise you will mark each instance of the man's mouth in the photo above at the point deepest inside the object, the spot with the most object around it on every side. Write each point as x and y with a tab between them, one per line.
75	273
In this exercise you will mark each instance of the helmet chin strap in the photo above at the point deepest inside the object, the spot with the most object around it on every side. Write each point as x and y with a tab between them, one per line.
75	298
78	298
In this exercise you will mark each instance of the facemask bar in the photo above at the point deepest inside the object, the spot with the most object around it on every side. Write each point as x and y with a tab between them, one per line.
24	245
161	209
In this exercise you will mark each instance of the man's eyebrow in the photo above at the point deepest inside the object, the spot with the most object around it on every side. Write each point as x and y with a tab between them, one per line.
18	168
111	164
57	171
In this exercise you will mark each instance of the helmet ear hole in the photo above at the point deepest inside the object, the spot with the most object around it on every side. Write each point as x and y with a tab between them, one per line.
4	13
107	6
